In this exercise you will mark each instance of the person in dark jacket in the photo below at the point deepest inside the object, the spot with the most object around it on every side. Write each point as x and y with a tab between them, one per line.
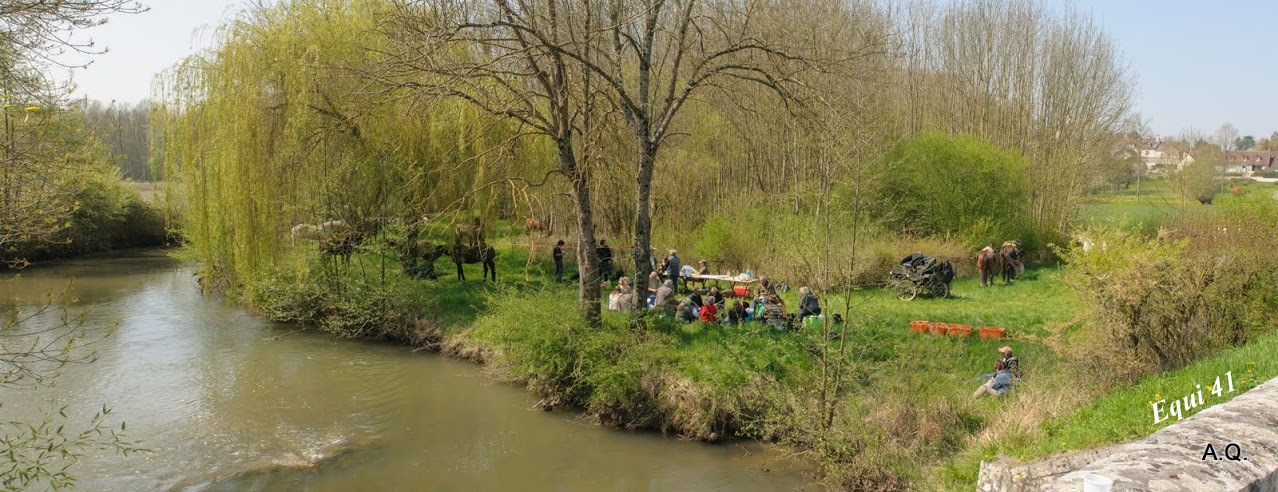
605	261
737	314
809	305
672	268
696	299
558	254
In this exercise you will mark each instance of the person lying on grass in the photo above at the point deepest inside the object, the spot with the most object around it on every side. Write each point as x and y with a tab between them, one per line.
998	382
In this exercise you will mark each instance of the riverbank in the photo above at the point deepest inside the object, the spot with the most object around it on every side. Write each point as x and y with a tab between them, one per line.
903	397
898	415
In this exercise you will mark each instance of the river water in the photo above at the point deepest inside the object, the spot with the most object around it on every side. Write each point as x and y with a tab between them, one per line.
226	401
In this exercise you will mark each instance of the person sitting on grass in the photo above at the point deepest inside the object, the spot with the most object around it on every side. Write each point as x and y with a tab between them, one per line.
714	297
998	382
685	312
622	297
710	313
808	303
696	299
664	299
738	314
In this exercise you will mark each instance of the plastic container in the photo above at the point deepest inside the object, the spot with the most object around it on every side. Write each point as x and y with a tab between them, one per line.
960	331
992	332
918	326
741	291
812	322
1096	483
937	328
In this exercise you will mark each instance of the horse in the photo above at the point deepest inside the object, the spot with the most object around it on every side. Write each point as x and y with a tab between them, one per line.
424	249
341	245
472	234
308	231
985	264
532	225
1009	257
484	254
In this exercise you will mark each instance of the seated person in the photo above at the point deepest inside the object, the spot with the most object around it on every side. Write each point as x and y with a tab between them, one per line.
709	313
714	297
696	298
664	298
809	305
738	314
685	312
1007	368
622	297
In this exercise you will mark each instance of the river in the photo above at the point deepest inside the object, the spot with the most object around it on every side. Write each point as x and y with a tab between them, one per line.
226	401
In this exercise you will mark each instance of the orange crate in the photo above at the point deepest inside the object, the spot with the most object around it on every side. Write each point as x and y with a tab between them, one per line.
992	332
918	326
937	328
960	330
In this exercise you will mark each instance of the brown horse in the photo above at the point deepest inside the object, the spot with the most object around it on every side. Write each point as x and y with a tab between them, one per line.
1009	257
532	225
474	254
341	245
471	234
424	249
985	264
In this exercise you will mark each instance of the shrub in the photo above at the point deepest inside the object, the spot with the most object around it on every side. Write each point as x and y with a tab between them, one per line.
935	184
1157	304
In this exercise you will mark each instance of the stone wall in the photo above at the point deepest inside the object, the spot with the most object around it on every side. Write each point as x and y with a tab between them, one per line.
1170	459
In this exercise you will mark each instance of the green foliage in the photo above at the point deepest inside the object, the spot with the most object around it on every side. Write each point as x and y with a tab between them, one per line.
39	455
1200	180
939	184
1153	305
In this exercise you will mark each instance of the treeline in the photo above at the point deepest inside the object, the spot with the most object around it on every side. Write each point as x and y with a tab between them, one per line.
60	189
125	130
312	110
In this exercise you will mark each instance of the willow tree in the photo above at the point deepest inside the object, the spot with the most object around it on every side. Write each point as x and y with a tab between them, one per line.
508	60
274	127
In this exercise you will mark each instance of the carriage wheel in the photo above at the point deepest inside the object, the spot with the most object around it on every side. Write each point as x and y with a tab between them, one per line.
905	290
941	290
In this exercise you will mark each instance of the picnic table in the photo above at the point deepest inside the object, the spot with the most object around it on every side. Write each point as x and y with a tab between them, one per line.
733	280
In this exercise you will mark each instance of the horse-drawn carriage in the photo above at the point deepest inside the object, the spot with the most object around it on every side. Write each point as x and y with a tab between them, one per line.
918	273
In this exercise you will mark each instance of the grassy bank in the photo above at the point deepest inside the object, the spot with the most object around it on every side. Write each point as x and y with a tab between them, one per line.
899	416
908	395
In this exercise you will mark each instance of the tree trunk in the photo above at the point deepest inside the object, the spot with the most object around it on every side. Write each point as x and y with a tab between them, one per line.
643	226
587	260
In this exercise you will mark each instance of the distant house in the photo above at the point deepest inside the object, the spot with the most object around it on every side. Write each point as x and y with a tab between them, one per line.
1159	155
1249	162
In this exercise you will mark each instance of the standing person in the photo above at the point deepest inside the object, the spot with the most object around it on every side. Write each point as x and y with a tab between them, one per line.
672	268
654	283
605	261
558	253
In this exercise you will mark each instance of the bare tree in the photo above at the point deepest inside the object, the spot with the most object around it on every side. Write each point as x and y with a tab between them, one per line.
1226	137
42	31
509	60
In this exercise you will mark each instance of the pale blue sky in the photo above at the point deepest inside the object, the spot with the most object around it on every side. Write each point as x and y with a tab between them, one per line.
1198	64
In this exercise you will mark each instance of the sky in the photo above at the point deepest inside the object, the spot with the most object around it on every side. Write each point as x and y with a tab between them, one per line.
1196	64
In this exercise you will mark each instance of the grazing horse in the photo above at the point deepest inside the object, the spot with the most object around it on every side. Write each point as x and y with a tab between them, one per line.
1009	256
409	252
532	225
471	234
308	231
484	254
985	264
341	245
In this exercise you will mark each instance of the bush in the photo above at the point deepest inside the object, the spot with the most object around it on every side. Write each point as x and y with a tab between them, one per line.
1157	304
935	184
